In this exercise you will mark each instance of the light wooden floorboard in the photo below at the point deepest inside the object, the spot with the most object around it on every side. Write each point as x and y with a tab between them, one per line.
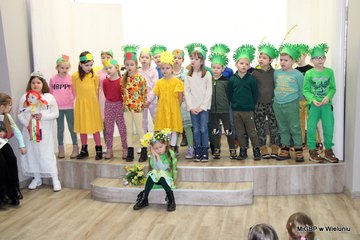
72	214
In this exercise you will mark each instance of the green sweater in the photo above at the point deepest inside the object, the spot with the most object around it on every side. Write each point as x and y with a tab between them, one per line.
219	100
242	92
319	84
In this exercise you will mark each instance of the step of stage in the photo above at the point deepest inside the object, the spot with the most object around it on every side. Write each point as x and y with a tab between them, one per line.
186	193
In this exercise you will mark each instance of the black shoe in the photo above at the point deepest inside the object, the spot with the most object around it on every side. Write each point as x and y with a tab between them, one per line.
18	193
130	155
217	153
243	154
141	201
83	153
257	153
233	154
212	148
171	205
99	152
143	155
184	140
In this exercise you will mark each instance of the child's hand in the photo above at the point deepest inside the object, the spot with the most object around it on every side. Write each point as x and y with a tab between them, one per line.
193	111
155	154
325	101
146	105
316	103
37	116
23	150
199	109
2	134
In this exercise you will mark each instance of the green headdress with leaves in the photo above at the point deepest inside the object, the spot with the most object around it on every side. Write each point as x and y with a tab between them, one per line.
303	48
199	47
130	51
157	49
216	58
244	51
291	50
319	50
220	48
269	50
109	62
108	51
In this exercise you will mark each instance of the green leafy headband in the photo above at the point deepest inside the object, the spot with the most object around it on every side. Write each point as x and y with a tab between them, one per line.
152	137
201	48
319	50
216	58
62	58
87	57
130	51
157	49
109	52
291	50
178	52
244	51
269	50
109	62
303	48
220	48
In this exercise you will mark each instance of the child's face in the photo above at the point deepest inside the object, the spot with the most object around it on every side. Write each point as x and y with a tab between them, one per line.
196	62
286	62
159	147
86	67
6	108
157	59
217	69
166	69
318	61
36	85
145	59
130	66
104	57
63	68
178	60
112	70
243	65
264	60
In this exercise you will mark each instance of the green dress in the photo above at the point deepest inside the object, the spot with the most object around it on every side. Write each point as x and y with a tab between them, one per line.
161	168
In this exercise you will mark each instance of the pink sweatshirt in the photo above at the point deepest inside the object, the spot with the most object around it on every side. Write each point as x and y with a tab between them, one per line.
63	91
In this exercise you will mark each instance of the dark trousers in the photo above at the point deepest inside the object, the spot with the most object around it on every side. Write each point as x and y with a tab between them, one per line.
244	122
9	179
215	129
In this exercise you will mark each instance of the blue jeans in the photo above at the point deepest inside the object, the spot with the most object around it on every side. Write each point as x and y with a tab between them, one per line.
200	128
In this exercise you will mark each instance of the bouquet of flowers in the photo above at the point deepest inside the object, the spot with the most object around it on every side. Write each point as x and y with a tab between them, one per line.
135	175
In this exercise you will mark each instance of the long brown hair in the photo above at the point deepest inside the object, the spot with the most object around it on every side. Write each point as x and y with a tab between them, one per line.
45	88
82	73
202	68
296	220
4	101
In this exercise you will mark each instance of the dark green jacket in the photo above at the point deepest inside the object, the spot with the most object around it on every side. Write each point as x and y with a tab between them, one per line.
243	92
219	100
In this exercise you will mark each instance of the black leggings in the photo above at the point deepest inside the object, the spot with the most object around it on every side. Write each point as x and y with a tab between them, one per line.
150	183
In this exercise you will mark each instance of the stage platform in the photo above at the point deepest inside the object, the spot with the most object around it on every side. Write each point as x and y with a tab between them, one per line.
217	182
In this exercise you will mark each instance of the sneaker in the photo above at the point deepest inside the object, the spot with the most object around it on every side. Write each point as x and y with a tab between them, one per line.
257	153
138	151
216	153
242	154
274	151
233	154
265	152
284	154
109	154
315	157
56	185
189	153
330	156
36	182
319	147
299	156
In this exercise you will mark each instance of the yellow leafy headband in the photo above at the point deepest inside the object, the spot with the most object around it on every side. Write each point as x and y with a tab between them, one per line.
152	137
87	57
167	58
109	62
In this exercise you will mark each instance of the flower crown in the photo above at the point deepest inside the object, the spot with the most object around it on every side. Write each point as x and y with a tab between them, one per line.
153	137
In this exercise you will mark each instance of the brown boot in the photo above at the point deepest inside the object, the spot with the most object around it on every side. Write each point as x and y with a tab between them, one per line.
315	157
265	152
284	154
61	153
274	151
75	152
299	156
330	156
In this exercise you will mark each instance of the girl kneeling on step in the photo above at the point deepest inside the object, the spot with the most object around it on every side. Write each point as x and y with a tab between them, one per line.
162	169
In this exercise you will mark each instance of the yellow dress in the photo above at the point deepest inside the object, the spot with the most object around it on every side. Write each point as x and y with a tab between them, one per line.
87	115
168	113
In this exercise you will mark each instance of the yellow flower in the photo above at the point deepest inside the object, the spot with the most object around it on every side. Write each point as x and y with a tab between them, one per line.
167	131
140	174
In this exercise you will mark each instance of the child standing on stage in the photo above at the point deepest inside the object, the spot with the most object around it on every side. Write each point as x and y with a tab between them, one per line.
319	90
288	92
9	179
263	109
243	93
220	104
198	90
40	160
134	100
162	170
181	73
169	90
151	76
113	108
155	52
88	119
61	87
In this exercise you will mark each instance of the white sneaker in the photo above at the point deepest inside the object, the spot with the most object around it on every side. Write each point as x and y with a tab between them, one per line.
139	151
36	182
56	185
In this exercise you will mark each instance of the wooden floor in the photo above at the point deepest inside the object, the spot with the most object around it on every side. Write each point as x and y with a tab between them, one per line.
72	214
